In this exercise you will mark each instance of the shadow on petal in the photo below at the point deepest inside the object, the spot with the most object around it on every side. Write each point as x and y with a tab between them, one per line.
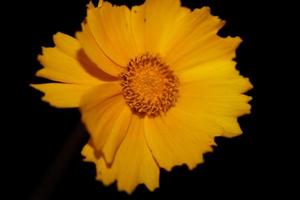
93	69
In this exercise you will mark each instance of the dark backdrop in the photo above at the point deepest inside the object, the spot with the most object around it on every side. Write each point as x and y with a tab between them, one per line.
38	135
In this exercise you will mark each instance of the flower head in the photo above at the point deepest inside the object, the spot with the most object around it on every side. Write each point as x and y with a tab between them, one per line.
155	84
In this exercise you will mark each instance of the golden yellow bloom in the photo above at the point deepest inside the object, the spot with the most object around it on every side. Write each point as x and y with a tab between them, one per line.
155	84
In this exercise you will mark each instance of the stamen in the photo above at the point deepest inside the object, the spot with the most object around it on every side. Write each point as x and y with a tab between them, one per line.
149	86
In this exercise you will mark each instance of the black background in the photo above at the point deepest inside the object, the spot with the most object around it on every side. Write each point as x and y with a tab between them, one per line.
38	134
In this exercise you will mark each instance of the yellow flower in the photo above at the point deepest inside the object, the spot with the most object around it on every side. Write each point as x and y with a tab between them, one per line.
155	84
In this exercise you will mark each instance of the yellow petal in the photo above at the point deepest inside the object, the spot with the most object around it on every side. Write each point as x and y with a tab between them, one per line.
61	63
219	104
106	117
214	91
190	35
203	51
160	21
215	124
188	28
138	28
110	26
214	78
67	44
116	133
186	38
176	139
133	163
96	54
99	118
220	108
217	69
89	153
62	95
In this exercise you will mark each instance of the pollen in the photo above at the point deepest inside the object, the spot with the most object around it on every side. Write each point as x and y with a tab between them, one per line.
149	87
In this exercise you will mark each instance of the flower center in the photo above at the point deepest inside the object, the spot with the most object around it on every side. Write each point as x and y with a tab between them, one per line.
149	86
